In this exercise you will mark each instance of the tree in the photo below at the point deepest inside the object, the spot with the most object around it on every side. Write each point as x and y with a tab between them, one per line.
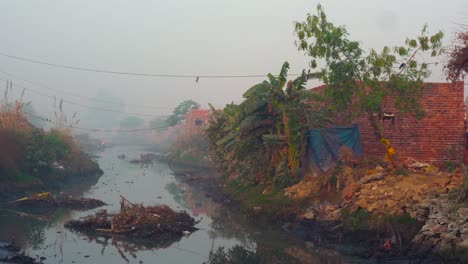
457	66
158	124
178	115
361	83
132	122
265	135
96	117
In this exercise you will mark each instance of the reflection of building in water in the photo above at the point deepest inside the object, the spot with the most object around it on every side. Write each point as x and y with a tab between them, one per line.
199	204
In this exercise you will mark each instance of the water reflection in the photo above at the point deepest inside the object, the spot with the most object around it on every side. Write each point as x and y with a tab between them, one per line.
222	232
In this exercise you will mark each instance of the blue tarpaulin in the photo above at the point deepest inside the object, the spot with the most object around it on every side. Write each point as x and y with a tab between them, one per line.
326	143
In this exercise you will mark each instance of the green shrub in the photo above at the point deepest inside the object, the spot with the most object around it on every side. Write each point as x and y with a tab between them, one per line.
43	149
23	177
401	171
449	166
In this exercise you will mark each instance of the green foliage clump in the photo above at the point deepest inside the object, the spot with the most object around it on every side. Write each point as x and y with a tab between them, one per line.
42	149
361	83
401	171
449	166
402	228
264	138
178	115
23	177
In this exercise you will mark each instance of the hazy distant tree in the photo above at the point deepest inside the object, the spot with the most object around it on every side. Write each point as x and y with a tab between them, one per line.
180	111
96	117
132	122
158	123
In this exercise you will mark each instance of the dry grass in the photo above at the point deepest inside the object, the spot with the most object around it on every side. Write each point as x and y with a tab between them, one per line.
11	113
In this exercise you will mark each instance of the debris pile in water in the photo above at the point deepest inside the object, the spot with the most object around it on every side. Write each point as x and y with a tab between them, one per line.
147	158
137	221
47	199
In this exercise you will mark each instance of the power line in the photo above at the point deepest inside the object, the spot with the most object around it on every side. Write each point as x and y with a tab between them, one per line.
92	129
82	105
79	96
196	77
133	73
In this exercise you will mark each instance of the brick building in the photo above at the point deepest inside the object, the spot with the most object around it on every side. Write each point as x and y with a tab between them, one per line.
195	120
438	137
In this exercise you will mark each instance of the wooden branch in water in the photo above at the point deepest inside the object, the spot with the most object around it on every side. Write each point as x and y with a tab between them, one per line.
123	198
37	217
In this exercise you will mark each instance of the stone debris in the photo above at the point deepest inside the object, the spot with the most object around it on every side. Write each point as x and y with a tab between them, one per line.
444	230
373	177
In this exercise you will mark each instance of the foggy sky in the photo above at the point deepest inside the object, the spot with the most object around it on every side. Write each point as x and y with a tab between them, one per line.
188	37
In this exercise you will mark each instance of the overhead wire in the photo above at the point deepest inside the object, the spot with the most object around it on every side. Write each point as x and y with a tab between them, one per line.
81	105
196	77
132	73
77	95
92	129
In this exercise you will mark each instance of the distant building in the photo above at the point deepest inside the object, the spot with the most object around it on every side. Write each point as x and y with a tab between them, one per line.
195	121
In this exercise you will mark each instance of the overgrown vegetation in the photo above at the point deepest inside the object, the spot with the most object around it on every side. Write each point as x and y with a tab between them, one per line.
178	115
357	82
457	66
400	228
31	155
263	139
458	197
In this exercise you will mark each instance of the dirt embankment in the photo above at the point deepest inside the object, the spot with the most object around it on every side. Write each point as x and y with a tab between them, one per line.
390	203
377	207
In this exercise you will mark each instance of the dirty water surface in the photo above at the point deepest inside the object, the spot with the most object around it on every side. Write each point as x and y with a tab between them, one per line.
41	233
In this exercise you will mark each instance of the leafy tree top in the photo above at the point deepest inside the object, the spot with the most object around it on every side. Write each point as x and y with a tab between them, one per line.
180	112
363	81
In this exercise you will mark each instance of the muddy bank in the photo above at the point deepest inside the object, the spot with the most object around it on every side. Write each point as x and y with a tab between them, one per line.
321	235
53	183
386	232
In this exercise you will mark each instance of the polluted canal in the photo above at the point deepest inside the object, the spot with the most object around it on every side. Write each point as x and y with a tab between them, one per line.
42	234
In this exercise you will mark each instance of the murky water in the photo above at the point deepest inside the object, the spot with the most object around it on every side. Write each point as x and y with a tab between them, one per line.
43	235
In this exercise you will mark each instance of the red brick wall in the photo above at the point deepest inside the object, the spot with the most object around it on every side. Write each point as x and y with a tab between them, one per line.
437	137
191	127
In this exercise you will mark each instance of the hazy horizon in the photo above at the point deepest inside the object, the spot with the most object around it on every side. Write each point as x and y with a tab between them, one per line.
205	37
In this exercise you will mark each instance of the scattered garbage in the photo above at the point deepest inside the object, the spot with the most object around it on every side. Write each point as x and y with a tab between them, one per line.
137	221
58	166
47	199
419	165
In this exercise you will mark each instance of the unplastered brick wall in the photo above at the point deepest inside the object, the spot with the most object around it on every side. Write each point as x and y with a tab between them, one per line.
436	138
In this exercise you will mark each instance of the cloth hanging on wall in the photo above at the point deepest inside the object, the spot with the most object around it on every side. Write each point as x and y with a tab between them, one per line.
326	143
